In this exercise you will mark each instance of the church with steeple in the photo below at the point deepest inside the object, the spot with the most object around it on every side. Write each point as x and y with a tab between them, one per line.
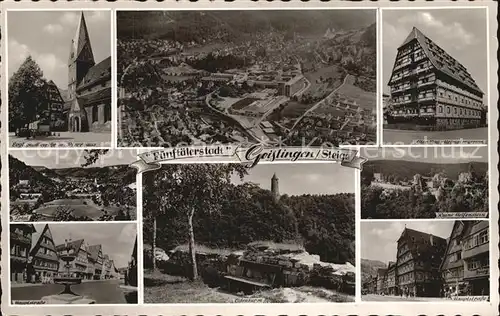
88	105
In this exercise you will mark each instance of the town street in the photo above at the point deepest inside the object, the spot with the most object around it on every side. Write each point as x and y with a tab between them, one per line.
63	139
102	291
405	137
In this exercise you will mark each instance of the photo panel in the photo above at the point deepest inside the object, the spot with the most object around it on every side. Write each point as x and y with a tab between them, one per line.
72	185
73	263
283	78
425	261
425	182
435	76
59	78
275	233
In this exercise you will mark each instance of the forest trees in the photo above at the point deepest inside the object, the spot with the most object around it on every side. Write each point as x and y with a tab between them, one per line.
244	213
26	89
189	189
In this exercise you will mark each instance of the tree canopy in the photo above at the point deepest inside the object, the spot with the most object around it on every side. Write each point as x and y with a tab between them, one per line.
25	93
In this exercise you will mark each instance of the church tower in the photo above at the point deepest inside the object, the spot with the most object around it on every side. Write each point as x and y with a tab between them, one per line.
275	187
81	57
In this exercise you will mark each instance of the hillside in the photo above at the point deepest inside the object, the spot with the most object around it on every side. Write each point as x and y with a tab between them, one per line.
370	267
119	173
230	25
323	224
19	170
406	169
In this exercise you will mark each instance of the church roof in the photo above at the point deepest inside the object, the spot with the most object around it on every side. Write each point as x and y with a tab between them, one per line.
97	73
441	60
88	99
81	49
96	96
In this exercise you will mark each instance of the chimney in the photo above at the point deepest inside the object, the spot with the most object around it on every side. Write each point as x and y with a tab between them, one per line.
432	240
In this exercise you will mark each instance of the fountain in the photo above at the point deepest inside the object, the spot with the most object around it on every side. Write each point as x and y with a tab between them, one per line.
67	296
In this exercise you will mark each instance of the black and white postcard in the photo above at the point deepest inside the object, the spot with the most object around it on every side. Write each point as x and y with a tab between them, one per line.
435	77
425	261
425	182
87	263
277	233
59	78
277	77
72	185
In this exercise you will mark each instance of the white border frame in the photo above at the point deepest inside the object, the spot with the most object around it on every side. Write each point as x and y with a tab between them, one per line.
5	34
407	308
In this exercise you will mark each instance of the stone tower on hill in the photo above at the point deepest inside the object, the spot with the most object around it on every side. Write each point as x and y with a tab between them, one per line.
275	187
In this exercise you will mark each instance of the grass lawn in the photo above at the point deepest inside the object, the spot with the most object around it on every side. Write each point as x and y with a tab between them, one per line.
164	288
365	99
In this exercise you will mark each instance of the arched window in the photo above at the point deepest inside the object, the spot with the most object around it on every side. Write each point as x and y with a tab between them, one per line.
440	109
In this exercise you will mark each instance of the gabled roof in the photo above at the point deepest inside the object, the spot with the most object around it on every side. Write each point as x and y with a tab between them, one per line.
448	245
94	251
441	60
420	242
97	96
100	71
74	244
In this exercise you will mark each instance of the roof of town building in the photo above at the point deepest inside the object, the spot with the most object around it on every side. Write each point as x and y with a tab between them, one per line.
440	59
100	71
94	251
75	245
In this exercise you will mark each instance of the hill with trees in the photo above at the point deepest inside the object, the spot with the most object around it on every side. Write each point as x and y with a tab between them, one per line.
406	169
370	268
197	203
188	26
18	170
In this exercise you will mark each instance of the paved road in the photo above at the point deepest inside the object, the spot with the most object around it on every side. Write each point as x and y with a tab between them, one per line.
64	139
400	137
381	298
103	292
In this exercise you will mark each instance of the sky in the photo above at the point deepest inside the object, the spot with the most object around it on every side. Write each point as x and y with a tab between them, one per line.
47	38
117	239
379	239
428	154
69	158
460	32
303	178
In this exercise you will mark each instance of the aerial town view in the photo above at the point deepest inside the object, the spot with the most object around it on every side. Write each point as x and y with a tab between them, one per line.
436	88
69	186
416	182
273	77
59	78
425	261
223	233
73	263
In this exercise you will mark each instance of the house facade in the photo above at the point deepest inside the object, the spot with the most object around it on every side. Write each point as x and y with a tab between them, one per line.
419	257
465	268
44	254
20	244
78	267
430	87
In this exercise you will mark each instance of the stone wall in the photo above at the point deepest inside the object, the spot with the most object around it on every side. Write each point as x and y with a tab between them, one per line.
213	268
